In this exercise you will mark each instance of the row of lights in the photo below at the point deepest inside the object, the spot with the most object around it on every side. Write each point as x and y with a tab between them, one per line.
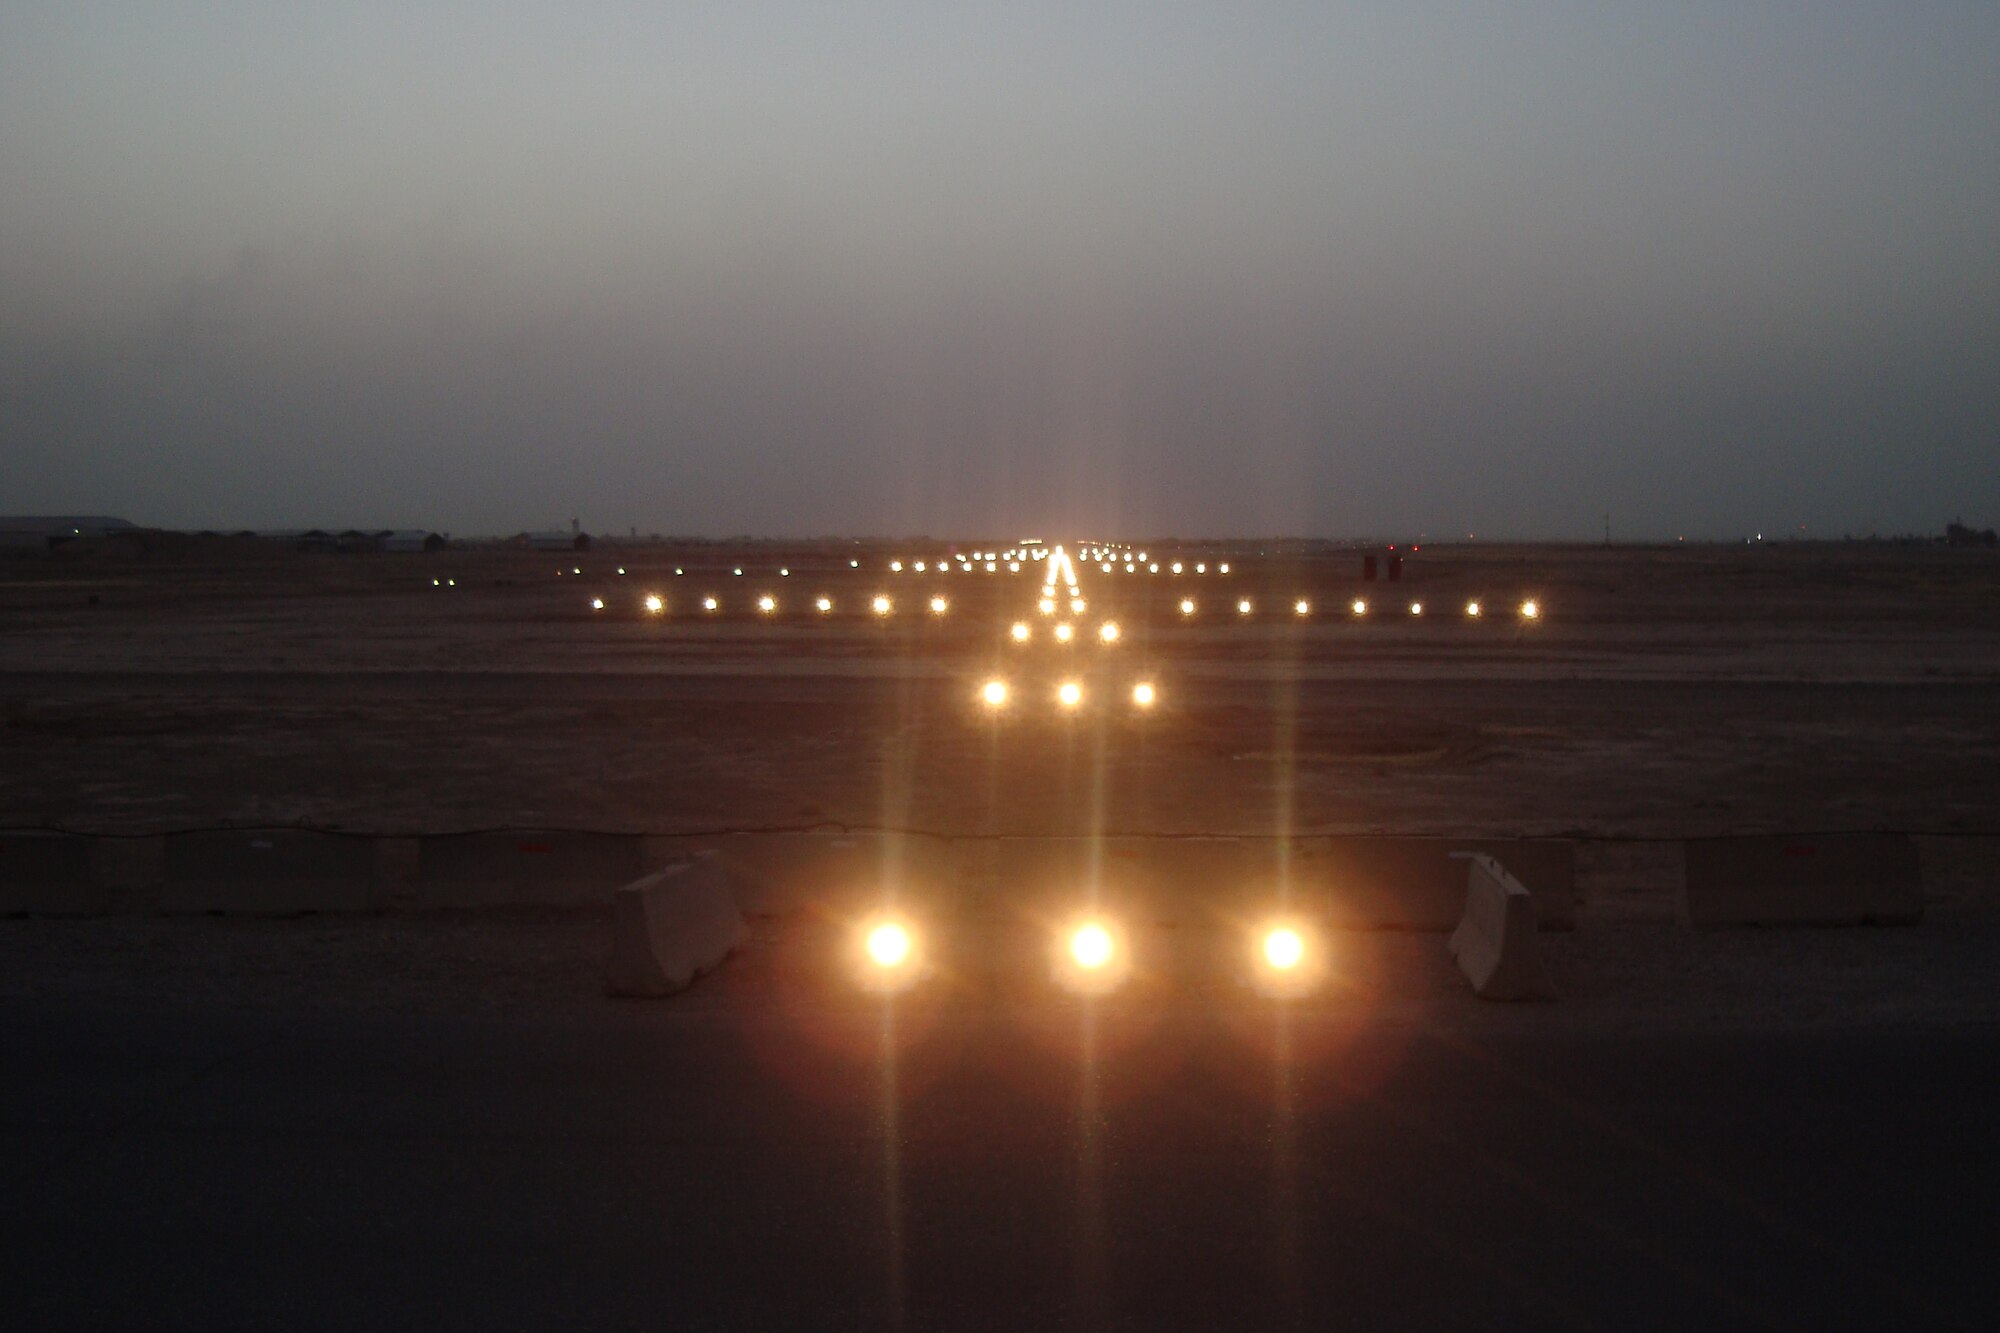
1092	955
997	694
655	605
1109	631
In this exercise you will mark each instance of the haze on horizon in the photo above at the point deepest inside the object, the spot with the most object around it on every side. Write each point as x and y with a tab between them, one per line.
798	268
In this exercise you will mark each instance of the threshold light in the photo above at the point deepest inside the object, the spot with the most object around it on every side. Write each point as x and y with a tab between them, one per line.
1013	566
1108	631
1063	633
1020	632
656	604
920	566
1143	694
990	567
993	693
881	606
1530	610
1201	569
1070	694
1153	568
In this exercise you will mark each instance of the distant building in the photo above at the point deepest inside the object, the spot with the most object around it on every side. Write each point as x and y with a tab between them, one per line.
41	533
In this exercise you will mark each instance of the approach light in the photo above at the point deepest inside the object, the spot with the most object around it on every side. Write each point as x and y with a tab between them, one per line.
1176	566
1070	694
678	571
1530	610
1284	948
1416	608
767	604
710	604
656	604
1243	607
939	606
437	583
854	564
1359	607
621	569
1077	605
1143	694
1472	610
576	571
990	567
597	603
823	605
1302	607
1142	556
895	566
920	566
1222	569
738	571
1187	606
451	583
889	944
1020	632
993	693
1091	946
1108	631
881	606
1047	606
784	573
1063	633
1153	568
1013	566
1201	569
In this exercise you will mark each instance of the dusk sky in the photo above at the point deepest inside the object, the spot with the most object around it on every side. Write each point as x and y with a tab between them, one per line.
1321	268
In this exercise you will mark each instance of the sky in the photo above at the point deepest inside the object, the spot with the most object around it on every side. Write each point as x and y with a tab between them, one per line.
1149	269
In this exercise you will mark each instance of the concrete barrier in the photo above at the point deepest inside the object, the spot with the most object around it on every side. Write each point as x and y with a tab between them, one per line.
529	868
278	872
670	927
1847	879
49	874
1496	943
1419	883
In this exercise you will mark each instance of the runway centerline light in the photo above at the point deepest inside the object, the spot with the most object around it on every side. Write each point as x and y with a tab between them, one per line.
1143	694
1020	632
1284	948
1063	633
1070	694
1108	631
993	693
1091	945
889	944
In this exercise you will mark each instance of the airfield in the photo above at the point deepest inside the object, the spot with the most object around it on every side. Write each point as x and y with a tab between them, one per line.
438	1117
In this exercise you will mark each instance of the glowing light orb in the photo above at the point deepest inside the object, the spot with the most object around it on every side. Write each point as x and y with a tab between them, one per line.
1153	568
1108	631
1472	610
1047	606
823	605
1063	633
1222	569
767	604
656	604
919	566
993	693
1020	632
1302	607
895	566
1530	610
1416	608
1013	566
990	566
1070	695
1284	948
1201	569
784	573
881	606
1243	607
854	564
889	944
738	572
1143	694
1091	945
710	604
1359	607
621	569
597	603
1077	605
1176	566
1187	606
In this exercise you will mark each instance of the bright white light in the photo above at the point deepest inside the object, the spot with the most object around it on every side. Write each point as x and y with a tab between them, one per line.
710	604
767	604
1243	607
920	566
1416	608
994	693
880	606
1143	694
1108	631
1063	633
1530	610
437	583
895	566
451	583
1047	606
784	573
1077	605
990	567
854	564
621	569
1222	569
1284	948
1302	607
1472	610
1358	607
678	571
1176	566
1131	569
939	605
1153	568
1070	694
1106	566
823	605
656	604
1142	557
597	603
1201	569
889	944
738	572
1013	566
576	571
1020	632
1091	945
1187	606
